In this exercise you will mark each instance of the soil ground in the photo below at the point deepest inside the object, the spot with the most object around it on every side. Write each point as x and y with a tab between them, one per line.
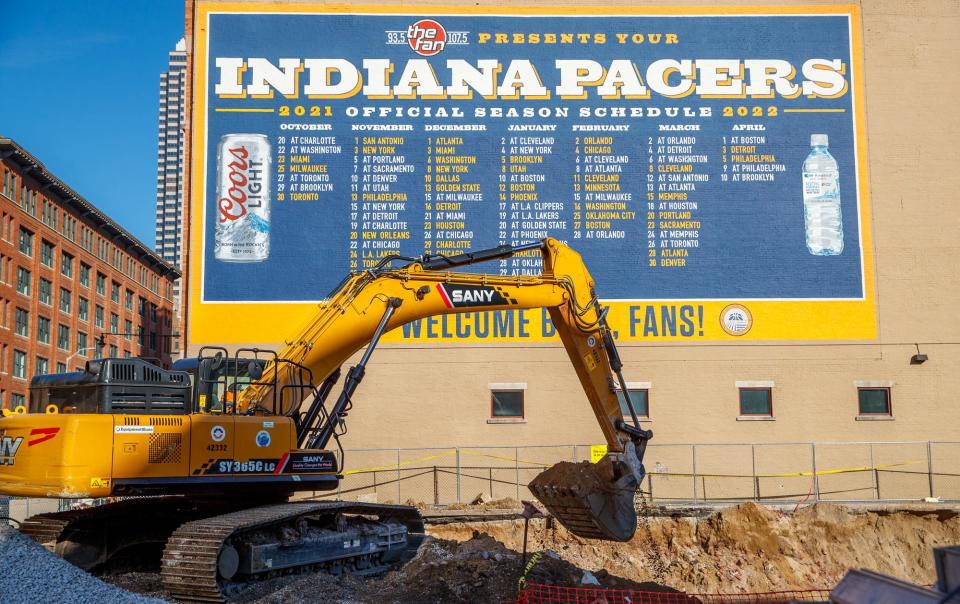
745	548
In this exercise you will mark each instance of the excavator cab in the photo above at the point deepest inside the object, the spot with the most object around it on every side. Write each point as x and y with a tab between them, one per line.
217	380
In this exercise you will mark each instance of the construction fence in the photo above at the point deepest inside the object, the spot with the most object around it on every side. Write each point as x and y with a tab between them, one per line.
555	594
786	473
683	473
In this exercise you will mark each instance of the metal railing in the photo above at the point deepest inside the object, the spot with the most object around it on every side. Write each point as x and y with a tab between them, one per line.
898	471
676	473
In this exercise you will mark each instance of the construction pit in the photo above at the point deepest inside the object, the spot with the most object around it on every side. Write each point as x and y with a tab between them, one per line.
473	555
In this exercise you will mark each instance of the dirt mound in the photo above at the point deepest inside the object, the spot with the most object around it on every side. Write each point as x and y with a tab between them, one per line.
747	548
583	477
507	503
479	569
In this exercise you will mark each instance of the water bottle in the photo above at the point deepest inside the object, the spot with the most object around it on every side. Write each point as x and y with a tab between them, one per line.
821	200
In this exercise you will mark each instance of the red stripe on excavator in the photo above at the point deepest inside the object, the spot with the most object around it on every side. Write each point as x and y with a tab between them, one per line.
443	295
44	433
282	463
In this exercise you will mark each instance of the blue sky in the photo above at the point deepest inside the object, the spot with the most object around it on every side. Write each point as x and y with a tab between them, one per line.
79	88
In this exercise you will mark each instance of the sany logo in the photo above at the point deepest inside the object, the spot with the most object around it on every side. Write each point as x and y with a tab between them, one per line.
8	449
10	445
234	205
426	37
458	296
43	434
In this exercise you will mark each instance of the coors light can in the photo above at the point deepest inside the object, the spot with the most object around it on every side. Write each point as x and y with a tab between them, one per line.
242	231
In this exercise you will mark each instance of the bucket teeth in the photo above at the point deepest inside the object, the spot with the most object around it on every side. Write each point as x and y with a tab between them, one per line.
584	498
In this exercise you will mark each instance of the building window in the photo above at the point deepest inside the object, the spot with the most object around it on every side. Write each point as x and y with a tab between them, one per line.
23	281
113	350
65	300
82	344
66	265
129	300
61	367
17	400
98	317
127	329
83	309
756	402
26	242
63	337
22	323
46	253
640	397
506	403
43	330
101	284
19	364
84	275
114	323
115	292
46	292
874	401
42	366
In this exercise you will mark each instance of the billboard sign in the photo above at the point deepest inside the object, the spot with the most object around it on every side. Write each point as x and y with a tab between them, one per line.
709	163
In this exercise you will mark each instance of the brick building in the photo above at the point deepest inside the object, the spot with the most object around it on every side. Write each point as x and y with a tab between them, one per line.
74	284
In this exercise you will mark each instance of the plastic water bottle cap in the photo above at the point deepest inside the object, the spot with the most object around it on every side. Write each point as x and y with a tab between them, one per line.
819	140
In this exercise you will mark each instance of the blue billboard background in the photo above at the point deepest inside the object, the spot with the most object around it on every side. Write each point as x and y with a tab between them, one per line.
751	241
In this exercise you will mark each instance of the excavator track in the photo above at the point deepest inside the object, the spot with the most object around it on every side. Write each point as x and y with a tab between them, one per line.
45	529
200	553
91	537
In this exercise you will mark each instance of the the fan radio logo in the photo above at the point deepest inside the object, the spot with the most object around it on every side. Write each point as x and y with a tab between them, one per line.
426	37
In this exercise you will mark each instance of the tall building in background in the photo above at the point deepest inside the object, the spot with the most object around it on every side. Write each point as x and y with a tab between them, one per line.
170	147
74	284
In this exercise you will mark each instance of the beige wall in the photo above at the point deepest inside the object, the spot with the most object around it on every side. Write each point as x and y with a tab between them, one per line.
438	396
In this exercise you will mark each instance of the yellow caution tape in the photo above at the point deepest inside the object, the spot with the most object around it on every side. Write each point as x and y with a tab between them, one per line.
598	451
792	474
402	463
446	454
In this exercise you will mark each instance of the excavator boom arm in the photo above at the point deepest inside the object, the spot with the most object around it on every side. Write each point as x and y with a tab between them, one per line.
371	303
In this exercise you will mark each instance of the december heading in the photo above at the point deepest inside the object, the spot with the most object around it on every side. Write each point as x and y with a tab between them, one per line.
317	78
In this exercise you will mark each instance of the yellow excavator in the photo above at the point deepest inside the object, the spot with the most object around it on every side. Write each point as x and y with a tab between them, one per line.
200	461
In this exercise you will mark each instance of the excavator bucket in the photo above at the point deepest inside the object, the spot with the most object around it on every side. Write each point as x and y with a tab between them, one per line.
588	499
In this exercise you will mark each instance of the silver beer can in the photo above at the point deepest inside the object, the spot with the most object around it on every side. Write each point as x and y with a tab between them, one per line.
242	209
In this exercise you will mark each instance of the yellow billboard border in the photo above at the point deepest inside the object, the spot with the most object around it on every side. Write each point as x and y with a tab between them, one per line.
773	320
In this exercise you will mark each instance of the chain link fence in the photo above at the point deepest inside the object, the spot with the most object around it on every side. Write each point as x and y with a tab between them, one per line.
900	471
682	473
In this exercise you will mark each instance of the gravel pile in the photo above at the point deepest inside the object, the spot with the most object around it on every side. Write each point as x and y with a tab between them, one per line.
32	574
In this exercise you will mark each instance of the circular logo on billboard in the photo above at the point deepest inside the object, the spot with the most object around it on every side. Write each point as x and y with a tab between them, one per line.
217	433
426	37
736	320
263	438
